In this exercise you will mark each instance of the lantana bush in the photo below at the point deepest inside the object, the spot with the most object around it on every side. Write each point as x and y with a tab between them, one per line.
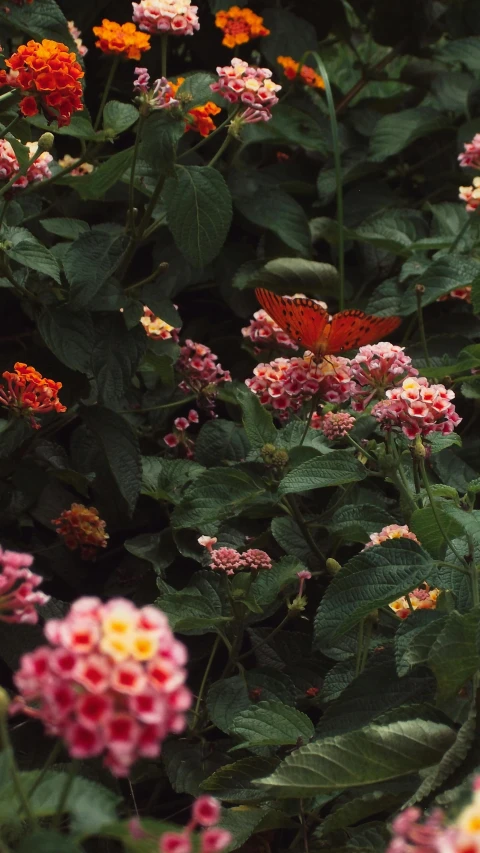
239	403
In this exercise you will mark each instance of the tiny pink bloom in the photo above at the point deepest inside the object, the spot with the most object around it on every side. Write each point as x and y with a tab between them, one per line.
171	440
193	416
175	842
181	424
206	811
304	575
207	541
214	840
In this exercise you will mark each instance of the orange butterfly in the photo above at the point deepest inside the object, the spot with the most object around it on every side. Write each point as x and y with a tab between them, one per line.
310	325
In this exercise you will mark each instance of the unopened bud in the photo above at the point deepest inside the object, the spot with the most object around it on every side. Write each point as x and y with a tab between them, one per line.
419	288
419	450
332	566
4	702
45	143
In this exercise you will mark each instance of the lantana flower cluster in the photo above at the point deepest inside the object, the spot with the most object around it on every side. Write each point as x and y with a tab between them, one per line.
111	682
157	328
264	332
422	598
19	596
200	372
78	171
163	94
81	528
464	293
294	70
376	368
229	560
49	76
174	17
239	25
251	87
76	35
334	424
391	531
413	832
471	195
28	393
121	39
417	408
286	384
470	157
9	165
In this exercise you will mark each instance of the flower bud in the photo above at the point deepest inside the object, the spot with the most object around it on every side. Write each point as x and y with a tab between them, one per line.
419	450
332	566
45	143
4	702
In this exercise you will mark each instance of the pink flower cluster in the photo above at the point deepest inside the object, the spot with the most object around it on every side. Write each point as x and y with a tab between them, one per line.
417	408
175	17
391	531
9	165
229	560
205	813
470	158
375	368
154	97
111	681
18	589
286	384
263	331
76	35
251	86
177	436
200	371
335	424
471	195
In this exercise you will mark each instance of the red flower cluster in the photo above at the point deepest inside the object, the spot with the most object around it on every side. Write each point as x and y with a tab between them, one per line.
50	77
417	408
111	681
18	595
81	527
28	393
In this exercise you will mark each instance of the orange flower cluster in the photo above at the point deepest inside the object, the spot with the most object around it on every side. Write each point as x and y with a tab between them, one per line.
81	527
199	118
29	393
50	76
121	39
239	26
292	69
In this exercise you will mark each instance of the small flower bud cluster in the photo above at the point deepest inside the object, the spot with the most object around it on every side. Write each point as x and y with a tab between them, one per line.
206	814
174	17
19	597
335	424
111	682
81	527
229	560
417	408
274	457
252	87
471	195
77	37
375	368
464	293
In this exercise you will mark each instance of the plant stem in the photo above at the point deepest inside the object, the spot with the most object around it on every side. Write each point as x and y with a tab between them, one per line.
163	267
164	53
204	139
310	417
131	189
448	541
65	793
106	91
419	290
360	448
366	642
10	126
203	685
290	499
398	477
174	404
22	798
338	174
226	142
50	760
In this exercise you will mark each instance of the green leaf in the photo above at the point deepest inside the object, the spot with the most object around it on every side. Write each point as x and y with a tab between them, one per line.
444	274
115	356
33	255
396	131
463	50
293	126
22	153
425	526
88	264
199	608
70	229
355	523
220	442
225	699
118	117
80	127
187	764
235	782
44	20
374	578
415	637
357	809
69	335
158	549
199	212
271	724
98	182
297	275
454	657
257	420
119	443
48	841
217	495
270	584
195	90
287	533
160	137
334	469
290	35
374	754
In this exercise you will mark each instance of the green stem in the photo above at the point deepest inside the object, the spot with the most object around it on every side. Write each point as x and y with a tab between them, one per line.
173	405
151	205
311	413
419	290
304	528
22	798
416	478
50	760
10	126
106	91
203	685
398	476
453	566
205	139
361	449
164	53
131	189
338	172
163	267
66	790
441	528
226	142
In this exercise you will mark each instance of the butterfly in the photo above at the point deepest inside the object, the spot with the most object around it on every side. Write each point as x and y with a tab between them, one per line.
313	327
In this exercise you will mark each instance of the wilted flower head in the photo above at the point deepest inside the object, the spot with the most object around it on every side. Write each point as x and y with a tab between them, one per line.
251	87
28	393
111	682
80	170
49	76
77	37
81	527
470	158
422	598
336	424
121	39
154	97
239	25
294	70
471	195
19	597
9	165
417	408
155	327
175	17
375	368
286	384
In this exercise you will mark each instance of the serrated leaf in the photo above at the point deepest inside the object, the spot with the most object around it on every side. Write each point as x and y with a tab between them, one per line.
271	724
115	356
158	549
235	782
425	526
365	757
333	469
257	421
33	255
217	495
357	809
88	264
270	583
118	116
355	523
70	229
199	212
395	131
69	335
415	637
454	657
443	274
119	443
219	442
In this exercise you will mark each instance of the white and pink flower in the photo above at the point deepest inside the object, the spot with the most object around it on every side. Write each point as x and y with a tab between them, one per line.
417	408
470	158
9	165
174	17
249	86
19	596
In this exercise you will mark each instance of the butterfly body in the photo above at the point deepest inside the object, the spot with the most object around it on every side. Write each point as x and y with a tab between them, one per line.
310	325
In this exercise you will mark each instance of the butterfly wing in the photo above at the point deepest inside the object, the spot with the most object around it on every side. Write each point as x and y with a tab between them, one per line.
301	318
352	328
